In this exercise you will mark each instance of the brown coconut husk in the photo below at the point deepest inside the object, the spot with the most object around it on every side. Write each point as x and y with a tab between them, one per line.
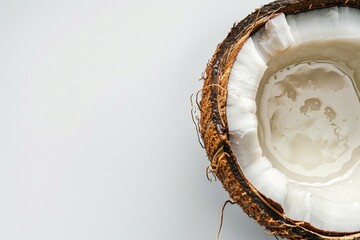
214	130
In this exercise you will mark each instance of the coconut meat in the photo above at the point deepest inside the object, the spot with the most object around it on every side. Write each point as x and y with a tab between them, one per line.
293	114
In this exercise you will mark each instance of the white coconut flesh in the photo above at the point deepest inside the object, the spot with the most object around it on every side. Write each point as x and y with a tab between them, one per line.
293	114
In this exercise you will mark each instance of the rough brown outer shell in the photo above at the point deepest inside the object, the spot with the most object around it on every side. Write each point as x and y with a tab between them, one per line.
214	131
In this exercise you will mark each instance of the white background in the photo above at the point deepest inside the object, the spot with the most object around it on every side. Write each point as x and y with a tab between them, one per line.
96	135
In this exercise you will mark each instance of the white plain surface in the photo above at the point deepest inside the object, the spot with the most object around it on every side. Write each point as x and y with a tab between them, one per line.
96	135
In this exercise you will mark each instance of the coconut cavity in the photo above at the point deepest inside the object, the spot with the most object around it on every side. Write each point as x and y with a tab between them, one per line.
294	115
307	114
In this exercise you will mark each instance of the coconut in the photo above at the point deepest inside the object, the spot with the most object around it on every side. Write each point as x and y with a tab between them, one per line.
280	117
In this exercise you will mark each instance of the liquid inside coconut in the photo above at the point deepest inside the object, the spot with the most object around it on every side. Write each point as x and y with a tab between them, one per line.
308	110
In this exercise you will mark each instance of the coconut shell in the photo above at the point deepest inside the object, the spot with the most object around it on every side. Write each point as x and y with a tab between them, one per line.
214	128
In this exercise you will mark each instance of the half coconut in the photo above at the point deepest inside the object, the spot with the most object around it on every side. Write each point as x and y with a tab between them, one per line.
280	117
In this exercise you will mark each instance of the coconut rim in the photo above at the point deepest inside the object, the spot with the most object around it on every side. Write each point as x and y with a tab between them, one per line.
214	131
